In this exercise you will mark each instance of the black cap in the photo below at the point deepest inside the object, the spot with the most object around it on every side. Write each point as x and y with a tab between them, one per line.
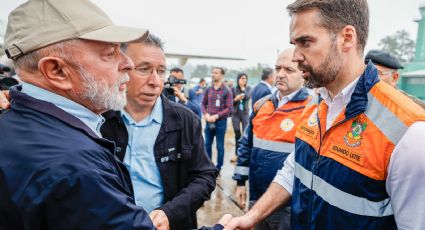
383	58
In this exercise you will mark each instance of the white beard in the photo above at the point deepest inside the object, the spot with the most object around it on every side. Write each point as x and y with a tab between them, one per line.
100	95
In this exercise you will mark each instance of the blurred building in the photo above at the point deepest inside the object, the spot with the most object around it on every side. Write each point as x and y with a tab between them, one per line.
413	76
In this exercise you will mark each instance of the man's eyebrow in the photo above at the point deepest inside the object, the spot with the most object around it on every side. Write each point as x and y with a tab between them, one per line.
299	39
143	63
109	45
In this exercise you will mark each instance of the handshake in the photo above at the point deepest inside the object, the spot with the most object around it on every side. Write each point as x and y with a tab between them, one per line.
229	223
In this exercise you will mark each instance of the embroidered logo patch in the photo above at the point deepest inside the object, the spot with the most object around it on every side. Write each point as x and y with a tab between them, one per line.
287	125
353	138
312	120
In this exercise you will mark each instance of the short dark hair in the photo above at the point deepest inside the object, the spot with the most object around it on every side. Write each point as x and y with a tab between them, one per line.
176	70
202	80
266	73
221	69
336	14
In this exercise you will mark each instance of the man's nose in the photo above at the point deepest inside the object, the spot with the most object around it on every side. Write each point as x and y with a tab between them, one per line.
154	79
126	64
297	56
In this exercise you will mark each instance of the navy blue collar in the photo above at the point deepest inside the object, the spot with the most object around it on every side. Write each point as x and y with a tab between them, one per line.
358	102
300	96
20	99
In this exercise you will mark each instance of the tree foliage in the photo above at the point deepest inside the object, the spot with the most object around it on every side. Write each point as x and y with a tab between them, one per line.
400	45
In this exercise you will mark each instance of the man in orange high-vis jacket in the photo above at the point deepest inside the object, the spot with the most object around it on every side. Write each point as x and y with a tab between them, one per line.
359	158
270	137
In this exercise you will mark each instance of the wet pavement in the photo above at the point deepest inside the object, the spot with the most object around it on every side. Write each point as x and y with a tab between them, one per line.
222	199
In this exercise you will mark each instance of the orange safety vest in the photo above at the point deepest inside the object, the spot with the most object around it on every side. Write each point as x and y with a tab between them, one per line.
340	173
268	140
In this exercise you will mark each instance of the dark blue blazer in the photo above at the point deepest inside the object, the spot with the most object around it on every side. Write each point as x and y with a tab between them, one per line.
260	90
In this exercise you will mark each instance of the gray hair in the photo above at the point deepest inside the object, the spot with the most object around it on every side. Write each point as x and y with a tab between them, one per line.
336	14
151	40
61	49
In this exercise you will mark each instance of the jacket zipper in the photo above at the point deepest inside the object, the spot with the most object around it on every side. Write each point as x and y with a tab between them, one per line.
316	162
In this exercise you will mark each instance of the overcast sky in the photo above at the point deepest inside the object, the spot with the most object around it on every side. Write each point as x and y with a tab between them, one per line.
250	29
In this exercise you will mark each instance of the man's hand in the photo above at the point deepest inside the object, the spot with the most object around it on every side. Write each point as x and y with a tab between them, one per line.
225	219
179	95
207	117
242	222
214	118
159	220
199	91
241	196
211	118
239	97
4	99
274	197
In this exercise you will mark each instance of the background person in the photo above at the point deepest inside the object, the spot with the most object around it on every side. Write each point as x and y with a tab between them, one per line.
196	94
216	107
388	66
270	137
181	93
265	86
240	113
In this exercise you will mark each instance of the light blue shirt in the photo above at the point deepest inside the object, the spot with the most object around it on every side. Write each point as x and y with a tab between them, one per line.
140	159
92	120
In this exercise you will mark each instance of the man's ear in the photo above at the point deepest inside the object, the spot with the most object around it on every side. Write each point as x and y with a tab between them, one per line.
394	79
349	36
56	71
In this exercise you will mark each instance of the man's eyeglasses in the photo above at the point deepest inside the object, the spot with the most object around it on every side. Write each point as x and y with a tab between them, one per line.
146	71
385	73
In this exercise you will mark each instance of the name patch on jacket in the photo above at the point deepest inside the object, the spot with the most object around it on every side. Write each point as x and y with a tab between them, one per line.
347	153
311	132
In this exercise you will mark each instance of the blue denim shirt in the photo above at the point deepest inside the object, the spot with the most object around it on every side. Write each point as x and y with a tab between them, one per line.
140	159
92	120
197	99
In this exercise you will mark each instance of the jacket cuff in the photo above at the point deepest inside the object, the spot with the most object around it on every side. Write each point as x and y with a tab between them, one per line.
241	182
169	214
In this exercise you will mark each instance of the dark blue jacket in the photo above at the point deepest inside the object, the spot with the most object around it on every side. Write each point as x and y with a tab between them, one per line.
55	173
261	90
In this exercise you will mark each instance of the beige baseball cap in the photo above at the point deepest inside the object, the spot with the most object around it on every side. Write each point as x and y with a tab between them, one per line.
39	23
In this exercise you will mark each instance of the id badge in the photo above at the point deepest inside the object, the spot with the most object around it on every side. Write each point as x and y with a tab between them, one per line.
217	103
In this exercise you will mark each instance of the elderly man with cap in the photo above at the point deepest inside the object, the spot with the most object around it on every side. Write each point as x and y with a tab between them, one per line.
56	171
388	65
